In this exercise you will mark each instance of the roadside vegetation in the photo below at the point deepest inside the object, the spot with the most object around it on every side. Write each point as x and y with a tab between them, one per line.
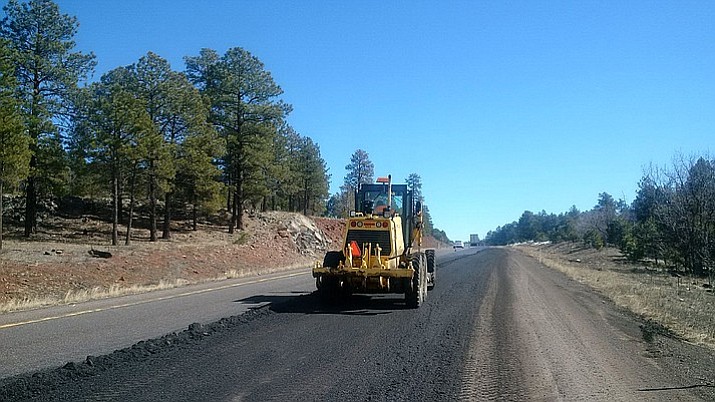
83	295
211	141
664	240
214	135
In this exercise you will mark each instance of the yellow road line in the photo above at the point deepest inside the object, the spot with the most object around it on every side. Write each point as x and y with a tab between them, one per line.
118	306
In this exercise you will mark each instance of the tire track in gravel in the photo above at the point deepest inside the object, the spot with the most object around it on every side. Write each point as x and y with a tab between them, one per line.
493	370
475	374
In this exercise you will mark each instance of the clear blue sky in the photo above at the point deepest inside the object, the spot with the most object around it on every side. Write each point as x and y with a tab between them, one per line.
500	106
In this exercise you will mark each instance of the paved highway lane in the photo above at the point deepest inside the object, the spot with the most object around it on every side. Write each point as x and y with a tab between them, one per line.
498	326
51	337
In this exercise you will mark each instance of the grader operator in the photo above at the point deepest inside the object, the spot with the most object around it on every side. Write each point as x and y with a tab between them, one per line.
382	247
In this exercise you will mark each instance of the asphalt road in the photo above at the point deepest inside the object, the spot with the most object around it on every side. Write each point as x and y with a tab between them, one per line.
50	337
497	326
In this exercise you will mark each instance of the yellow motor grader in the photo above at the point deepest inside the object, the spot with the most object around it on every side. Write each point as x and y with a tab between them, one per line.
382	250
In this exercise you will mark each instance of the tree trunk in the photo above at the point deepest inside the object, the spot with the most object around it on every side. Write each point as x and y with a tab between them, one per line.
166	230
120	192
120	207
1	211
152	203
195	213
305	198
228	196
34	132
31	201
115	209
239	203
128	239
233	220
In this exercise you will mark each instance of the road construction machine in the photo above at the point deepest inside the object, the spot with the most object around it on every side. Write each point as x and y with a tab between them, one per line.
381	249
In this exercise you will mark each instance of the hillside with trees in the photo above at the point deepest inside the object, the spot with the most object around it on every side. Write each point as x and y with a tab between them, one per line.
156	141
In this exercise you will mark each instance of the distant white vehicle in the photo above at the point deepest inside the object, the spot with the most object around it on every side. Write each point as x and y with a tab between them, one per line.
457	244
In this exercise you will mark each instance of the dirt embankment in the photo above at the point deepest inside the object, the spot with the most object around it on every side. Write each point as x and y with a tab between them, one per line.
60	264
57	266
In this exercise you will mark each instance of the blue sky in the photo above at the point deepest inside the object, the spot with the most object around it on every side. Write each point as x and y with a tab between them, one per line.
500	106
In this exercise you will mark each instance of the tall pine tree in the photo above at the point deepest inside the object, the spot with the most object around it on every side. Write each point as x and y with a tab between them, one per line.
15	151
47	73
245	109
114	122
360	170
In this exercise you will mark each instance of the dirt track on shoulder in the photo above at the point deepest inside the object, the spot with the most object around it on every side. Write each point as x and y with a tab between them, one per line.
540	336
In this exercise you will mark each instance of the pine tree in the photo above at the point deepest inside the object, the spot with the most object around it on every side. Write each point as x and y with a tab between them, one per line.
258	164
15	151
360	170
151	76
287	162
245	111
47	74
414	183
115	121
197	175
314	177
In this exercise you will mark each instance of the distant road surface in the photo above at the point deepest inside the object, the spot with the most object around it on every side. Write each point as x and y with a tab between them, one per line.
497	326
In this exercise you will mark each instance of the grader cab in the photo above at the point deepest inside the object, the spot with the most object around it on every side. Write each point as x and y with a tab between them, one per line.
381	249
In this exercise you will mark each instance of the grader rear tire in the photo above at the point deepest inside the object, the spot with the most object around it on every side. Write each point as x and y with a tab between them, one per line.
431	268
328	287
415	296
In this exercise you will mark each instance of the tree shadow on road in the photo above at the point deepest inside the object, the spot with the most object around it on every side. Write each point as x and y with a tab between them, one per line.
357	305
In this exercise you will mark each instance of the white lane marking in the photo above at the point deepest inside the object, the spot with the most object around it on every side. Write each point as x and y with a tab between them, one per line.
118	306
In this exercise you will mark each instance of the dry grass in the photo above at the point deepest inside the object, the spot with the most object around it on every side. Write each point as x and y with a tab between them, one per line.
683	306
234	274
97	293
79	296
116	290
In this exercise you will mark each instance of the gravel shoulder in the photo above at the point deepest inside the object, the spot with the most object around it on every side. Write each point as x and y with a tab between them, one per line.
672	303
546	337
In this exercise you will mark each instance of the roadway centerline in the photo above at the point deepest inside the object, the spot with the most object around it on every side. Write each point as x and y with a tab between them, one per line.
162	298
